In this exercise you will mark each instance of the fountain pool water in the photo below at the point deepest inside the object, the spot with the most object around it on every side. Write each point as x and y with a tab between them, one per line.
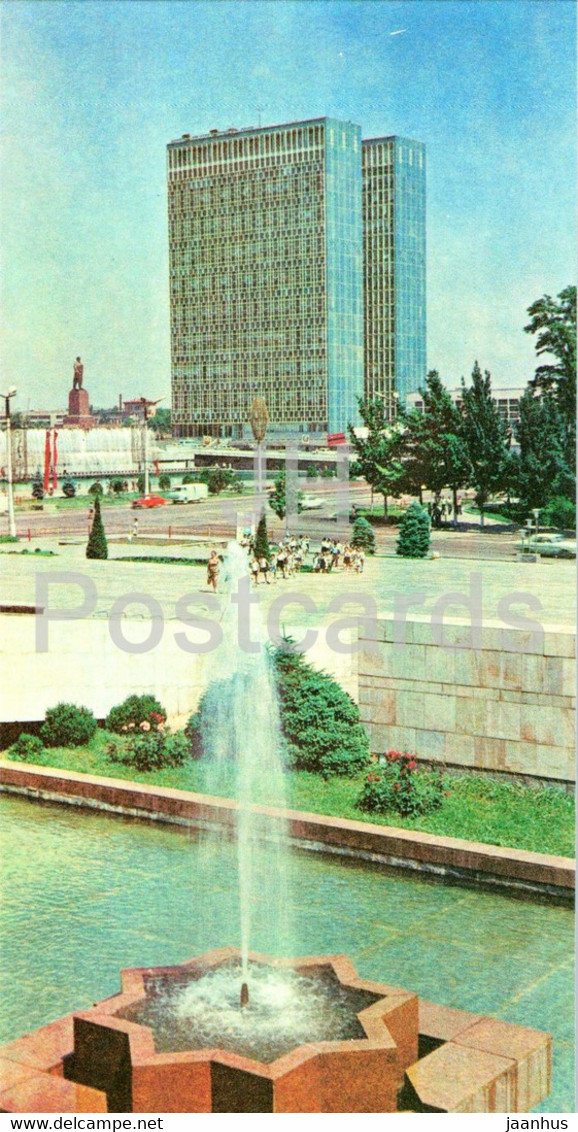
285	1009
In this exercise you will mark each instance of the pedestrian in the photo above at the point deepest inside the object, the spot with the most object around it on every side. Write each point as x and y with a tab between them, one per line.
135	528
213	567
255	570
264	569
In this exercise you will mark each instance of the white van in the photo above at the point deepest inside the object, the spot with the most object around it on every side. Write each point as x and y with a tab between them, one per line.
188	493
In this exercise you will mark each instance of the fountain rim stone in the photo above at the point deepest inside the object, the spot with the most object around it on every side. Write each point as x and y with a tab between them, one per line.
141	1039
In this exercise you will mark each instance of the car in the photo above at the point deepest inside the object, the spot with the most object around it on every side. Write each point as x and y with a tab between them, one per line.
311	503
548	545
149	501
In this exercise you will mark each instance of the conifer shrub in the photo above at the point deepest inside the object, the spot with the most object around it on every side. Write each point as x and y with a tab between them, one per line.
164	481
414	533
97	546
37	487
320	722
67	725
363	535
262	549
69	487
96	488
132	712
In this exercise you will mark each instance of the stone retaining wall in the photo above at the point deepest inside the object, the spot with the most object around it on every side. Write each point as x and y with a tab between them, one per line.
502	702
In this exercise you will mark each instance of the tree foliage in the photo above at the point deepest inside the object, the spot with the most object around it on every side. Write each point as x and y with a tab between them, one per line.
554	321
414	533
97	546
485	438
437	452
67	725
283	500
539	470
68	487
363	535
37	487
379	454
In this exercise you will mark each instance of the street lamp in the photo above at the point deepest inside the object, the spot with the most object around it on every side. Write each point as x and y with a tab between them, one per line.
146	407
11	520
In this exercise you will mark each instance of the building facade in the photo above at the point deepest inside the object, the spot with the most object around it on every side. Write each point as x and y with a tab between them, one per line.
267	279
394	260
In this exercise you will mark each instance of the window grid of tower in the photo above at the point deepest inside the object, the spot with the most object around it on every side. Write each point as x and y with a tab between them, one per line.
248	279
394	268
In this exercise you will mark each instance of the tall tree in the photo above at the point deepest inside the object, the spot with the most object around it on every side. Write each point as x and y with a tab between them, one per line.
97	546
485	438
554	321
282	501
539	470
379	454
436	442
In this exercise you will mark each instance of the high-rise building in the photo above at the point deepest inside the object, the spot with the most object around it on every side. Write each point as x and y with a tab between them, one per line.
394	268
266	248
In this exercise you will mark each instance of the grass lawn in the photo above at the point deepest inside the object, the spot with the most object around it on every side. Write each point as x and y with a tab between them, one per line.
478	808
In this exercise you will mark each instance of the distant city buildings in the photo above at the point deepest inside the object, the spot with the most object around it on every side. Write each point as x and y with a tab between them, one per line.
297	273
507	400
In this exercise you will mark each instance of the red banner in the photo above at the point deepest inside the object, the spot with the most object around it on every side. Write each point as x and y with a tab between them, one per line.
54	461
47	460
336	438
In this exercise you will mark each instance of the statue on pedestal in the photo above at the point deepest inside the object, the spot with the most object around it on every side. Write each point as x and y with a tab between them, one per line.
78	374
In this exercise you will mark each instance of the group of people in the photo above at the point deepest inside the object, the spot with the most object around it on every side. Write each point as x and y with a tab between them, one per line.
334	554
284	561
440	512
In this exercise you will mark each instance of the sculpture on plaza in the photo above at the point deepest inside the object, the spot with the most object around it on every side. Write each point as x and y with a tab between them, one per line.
78	374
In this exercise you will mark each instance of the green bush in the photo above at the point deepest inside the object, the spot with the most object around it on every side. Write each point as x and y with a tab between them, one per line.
97	546
96	488
401	786
320	721
68	487
559	512
117	487
414	533
133	711
363	535
26	747
262	549
312	472
67	725
152	749
140	484
164	482
37	487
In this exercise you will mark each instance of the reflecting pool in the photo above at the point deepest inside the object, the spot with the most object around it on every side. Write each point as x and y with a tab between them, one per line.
85	894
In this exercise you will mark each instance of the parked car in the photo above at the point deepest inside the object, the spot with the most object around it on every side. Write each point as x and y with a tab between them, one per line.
149	501
548	545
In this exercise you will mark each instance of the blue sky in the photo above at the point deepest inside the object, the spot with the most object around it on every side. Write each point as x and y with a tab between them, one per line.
92	91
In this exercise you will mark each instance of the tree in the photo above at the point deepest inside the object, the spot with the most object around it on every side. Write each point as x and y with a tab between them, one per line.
436	444
539	470
164	481
161	422
414	533
379	453
363	535
262	549
485	438
96	488
278	501
554	321
97	546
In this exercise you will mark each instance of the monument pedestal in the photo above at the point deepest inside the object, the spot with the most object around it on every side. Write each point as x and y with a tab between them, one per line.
78	415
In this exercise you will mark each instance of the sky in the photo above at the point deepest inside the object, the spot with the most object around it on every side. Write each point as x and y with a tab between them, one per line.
93	91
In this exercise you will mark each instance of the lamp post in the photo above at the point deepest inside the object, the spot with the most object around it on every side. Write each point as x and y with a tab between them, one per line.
11	520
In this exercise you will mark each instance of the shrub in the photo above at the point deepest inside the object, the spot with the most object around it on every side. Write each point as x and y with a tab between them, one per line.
140	484
363	535
189	478
329	472
67	725
37	487
320	721
164	482
414	533
559	512
96	488
69	487
151	749
117	487
133	711
312	472
26	747
97	546
261	541
401	786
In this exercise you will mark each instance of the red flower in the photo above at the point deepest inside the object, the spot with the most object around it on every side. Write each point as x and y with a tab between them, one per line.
396	786
447	793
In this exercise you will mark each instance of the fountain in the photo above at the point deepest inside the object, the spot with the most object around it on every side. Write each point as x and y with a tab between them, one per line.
237	1031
